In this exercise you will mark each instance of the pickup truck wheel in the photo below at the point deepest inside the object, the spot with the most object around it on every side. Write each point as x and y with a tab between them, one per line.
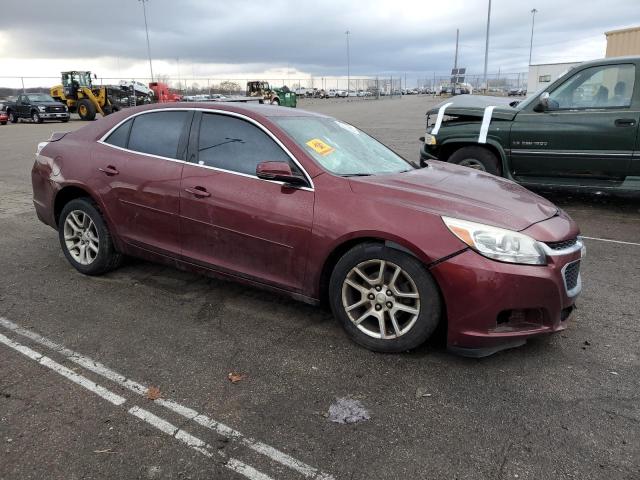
385	299
86	110
478	158
13	118
35	116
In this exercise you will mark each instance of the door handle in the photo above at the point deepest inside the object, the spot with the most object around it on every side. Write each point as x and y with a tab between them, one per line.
198	191
109	170
625	122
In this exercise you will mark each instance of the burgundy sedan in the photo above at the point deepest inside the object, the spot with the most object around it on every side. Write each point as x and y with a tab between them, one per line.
311	206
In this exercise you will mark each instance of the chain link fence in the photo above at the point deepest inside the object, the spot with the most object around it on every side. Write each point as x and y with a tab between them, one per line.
378	87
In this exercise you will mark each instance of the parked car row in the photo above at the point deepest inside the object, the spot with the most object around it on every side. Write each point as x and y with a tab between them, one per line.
332	93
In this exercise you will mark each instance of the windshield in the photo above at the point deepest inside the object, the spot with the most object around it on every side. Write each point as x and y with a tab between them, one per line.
341	148
40	97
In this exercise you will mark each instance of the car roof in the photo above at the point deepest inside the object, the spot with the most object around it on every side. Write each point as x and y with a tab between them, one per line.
610	60
249	108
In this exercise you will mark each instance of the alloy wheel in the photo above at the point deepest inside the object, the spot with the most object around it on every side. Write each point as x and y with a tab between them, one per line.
381	299
473	163
81	237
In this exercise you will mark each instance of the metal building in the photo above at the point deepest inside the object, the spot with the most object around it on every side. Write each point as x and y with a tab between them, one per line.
623	42
543	74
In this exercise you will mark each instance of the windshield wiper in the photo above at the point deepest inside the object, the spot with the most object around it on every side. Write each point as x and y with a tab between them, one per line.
357	175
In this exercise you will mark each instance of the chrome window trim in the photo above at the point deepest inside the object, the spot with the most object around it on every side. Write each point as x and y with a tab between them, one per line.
578	246
575	290
102	141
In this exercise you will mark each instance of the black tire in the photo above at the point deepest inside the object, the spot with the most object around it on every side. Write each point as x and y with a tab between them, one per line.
107	258
35	116
429	308
86	109
64	120
275	102
13	117
477	157
3	123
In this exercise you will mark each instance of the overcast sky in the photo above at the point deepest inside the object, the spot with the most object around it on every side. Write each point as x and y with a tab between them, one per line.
244	38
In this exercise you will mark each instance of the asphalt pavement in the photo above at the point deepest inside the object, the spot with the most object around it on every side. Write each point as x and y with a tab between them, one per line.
127	375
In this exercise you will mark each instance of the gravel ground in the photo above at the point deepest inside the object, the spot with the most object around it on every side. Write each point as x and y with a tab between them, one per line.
565	406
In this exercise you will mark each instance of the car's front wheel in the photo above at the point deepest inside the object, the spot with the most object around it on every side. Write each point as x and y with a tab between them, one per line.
385	299
85	238
35	117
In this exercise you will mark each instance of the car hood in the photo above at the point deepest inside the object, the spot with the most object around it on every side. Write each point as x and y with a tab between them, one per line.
459	192
474	105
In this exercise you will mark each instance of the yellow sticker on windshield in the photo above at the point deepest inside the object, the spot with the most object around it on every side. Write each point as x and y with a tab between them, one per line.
320	147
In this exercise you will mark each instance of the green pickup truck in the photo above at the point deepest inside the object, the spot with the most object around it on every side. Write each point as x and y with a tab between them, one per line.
581	131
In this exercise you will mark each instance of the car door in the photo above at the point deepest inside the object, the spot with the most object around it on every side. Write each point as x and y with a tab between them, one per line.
138	171
586	133
23	106
231	219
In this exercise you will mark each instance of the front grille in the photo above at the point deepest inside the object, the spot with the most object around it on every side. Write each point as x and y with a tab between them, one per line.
562	245
55	109
571	275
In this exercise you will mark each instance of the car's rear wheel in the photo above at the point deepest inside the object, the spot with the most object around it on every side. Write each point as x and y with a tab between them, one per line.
478	158
385	299
13	117
85	238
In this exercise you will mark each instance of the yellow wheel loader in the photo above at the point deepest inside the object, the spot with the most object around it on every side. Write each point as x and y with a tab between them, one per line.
79	95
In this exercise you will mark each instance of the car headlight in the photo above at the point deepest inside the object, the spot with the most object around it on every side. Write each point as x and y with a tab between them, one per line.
497	243
42	109
429	139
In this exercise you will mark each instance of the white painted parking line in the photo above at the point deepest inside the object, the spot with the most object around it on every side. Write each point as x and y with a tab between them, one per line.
153	420
64	371
186	412
195	443
611	241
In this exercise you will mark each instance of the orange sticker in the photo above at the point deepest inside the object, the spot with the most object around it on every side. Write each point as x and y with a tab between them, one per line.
320	147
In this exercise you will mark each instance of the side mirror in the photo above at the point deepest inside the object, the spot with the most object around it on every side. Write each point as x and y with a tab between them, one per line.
278	171
545	103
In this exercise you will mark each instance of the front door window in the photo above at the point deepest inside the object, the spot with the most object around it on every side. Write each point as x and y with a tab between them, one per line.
608	86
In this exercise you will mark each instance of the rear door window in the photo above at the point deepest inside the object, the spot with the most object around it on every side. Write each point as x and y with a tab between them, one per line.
120	136
159	133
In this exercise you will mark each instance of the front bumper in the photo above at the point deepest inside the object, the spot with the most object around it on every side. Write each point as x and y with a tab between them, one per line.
492	305
54	115
428	152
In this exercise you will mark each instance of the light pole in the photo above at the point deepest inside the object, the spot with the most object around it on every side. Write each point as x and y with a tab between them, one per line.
533	22
486	47
347	33
146	28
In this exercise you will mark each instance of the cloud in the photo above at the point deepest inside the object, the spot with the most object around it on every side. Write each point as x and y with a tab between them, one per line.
416	37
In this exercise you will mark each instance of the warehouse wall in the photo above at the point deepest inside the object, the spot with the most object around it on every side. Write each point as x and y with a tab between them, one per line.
543	74
623	42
